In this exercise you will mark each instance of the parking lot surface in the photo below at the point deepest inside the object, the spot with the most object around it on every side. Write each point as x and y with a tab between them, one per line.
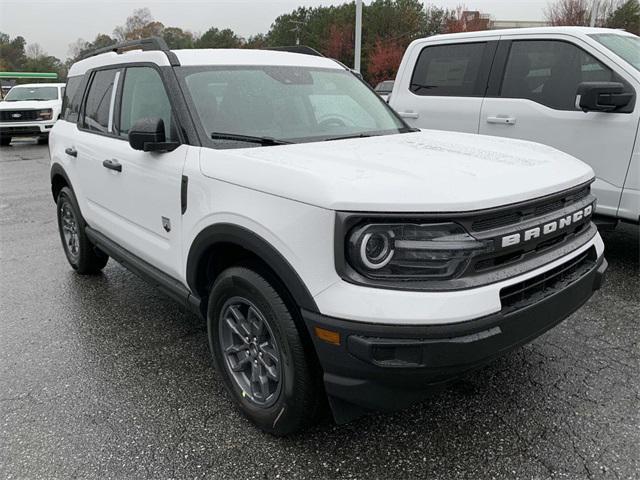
104	377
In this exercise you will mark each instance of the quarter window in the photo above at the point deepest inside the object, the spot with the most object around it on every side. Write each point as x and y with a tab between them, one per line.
450	70
71	99
144	96
549	72
99	104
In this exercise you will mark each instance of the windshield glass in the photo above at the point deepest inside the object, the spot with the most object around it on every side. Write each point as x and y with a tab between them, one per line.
32	93
625	46
292	104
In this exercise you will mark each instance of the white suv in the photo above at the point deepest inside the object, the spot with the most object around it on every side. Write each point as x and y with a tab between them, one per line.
30	111
334	251
573	88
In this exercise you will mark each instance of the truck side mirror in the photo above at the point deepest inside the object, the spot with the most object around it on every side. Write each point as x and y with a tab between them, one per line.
147	134
602	96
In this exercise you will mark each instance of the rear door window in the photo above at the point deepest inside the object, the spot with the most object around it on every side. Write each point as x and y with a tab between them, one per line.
450	70
98	110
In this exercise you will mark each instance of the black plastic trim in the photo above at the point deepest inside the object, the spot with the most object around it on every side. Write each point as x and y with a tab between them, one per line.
184	190
250	241
57	169
387	367
167	284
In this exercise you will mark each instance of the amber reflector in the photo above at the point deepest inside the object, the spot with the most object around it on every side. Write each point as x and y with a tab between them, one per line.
328	336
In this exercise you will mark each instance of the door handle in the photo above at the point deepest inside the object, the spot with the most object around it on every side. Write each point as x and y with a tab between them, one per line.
72	152
502	120
112	165
409	114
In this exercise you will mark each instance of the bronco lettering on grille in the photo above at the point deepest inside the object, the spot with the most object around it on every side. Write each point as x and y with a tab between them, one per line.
547	228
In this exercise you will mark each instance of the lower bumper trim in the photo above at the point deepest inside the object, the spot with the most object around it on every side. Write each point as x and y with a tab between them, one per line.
386	367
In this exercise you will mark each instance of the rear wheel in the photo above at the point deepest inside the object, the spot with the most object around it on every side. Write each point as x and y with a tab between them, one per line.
82	255
257	349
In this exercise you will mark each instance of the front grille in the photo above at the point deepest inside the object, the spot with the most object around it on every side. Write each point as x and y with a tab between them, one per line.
24	115
19	131
535	209
522	294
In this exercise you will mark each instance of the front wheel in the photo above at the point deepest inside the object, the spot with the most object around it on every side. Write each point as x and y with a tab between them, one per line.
5	141
82	255
257	349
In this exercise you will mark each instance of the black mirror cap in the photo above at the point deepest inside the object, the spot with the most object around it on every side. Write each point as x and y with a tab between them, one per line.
147	134
603	97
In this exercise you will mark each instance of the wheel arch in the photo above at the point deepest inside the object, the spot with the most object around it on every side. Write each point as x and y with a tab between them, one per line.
59	180
230	238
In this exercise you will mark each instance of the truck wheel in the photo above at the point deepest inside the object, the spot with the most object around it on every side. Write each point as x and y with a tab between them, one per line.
82	255
43	140
5	141
258	352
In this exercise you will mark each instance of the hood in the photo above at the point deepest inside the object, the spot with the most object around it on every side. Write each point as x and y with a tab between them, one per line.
29	104
426	171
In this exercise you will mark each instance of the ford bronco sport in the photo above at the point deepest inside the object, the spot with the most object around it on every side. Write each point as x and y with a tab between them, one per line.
334	251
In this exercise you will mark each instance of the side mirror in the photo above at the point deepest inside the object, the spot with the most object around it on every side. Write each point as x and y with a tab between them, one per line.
602	96
147	134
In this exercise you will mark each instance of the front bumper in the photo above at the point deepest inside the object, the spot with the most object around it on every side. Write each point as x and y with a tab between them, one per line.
386	367
26	129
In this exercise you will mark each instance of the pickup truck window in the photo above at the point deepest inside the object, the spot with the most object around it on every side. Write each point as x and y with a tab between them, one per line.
448	70
626	47
17	94
97	109
144	95
549	71
293	104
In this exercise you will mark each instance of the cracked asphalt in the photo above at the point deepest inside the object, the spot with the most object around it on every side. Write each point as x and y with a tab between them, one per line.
103	377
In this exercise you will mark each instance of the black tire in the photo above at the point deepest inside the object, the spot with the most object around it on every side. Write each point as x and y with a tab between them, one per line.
296	404
5	141
81	254
43	140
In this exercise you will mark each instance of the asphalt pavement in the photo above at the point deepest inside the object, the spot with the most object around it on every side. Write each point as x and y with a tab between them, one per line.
104	377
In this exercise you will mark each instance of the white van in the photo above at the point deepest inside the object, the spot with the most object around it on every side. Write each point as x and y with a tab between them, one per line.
573	88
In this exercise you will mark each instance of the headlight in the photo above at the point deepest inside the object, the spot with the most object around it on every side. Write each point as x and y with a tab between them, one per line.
46	114
402	251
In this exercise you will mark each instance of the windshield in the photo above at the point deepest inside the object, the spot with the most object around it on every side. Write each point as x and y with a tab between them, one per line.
285	104
31	93
625	46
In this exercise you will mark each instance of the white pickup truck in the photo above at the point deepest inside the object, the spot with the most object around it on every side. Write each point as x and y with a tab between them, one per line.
572	88
30	111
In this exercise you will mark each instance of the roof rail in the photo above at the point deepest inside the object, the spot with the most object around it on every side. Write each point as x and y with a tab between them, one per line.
298	49
145	44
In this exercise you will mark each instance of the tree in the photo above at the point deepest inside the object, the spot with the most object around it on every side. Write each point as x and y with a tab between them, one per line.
625	16
568	13
384	61
12	53
134	24
214	38
257	41
178	38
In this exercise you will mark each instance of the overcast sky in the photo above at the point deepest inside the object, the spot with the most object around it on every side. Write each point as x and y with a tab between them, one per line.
56	24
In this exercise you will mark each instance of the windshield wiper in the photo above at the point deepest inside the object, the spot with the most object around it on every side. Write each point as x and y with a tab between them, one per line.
344	137
265	141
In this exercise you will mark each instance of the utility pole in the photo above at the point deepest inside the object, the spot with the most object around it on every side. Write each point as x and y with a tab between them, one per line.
594	13
358	49
297	28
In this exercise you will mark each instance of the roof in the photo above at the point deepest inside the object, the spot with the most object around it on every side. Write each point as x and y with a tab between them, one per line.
574	31
206	56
